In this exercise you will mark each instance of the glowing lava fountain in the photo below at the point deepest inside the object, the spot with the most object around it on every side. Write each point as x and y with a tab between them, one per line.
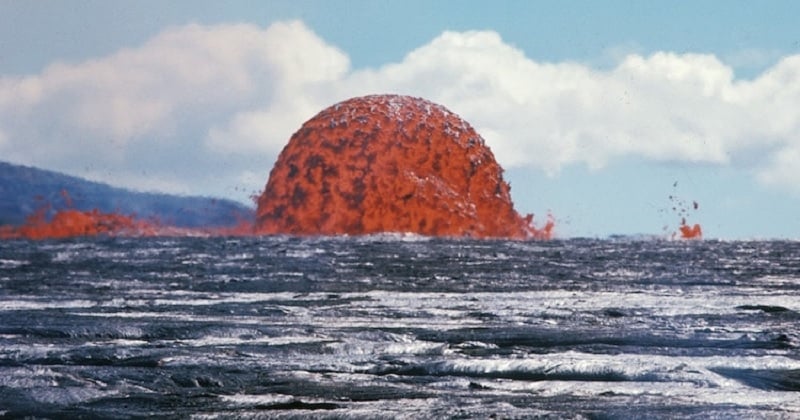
389	163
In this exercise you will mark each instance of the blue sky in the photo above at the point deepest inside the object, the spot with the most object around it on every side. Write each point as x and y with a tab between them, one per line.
599	111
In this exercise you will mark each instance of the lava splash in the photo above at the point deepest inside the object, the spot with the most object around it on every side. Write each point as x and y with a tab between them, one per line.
390	163
683	209
690	232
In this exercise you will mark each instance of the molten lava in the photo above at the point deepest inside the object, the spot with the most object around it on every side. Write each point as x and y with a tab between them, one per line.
690	232
681	208
388	163
69	222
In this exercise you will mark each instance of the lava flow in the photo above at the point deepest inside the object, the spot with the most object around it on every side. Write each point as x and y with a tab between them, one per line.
70	222
389	163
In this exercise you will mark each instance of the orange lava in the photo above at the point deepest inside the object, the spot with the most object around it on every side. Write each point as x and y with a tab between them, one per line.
690	232
389	163
683	209
70	222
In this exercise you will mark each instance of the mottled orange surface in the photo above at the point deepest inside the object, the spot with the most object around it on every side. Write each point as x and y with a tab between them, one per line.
388	163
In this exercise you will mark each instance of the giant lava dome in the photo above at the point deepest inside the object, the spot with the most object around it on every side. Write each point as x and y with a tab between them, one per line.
389	163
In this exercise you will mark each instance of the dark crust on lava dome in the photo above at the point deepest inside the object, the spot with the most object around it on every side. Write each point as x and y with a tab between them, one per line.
388	163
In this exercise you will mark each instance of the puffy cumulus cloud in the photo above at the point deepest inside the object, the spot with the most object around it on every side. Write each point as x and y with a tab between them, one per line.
203	109
662	107
143	116
782	169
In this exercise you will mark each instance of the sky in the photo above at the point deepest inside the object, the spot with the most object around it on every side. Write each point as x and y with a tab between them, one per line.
613	116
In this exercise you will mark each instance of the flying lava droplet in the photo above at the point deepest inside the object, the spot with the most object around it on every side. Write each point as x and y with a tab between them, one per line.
390	163
682	209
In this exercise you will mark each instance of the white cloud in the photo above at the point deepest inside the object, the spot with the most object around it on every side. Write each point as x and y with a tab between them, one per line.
201	109
661	107
112	116
783	169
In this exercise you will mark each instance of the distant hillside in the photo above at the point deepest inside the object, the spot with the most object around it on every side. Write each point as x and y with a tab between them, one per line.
24	189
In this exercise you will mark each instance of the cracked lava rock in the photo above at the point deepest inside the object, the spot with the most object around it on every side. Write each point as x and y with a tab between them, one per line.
389	163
